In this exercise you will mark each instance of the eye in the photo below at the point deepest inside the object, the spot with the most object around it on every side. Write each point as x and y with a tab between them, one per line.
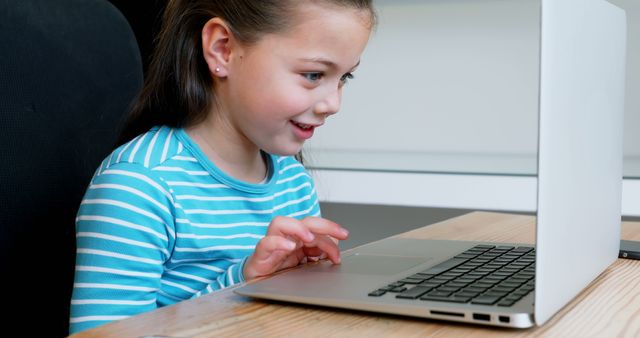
312	76
346	77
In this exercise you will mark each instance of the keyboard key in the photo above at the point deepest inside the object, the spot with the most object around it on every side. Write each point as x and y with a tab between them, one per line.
456	285
398	289
502	289
485	300
443	299
476	274
493	278
523	275
429	284
411	281
413	293
439	279
444	266
447	289
527	288
493	293
476	249
484	271
502	274
465	293
481	284
513	298
465	280
377	293
460	299
505	302
460	270
437	293
493	266
509	284
474	289
481	259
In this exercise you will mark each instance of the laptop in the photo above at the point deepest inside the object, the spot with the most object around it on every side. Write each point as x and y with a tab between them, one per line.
581	105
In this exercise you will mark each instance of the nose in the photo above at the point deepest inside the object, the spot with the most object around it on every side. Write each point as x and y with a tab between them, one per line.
330	104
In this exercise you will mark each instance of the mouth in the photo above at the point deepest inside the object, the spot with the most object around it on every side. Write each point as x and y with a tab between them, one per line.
303	126
303	131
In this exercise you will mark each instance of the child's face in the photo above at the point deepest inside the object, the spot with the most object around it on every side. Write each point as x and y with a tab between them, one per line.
286	85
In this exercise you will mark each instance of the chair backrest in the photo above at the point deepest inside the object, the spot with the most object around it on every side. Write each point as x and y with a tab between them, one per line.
68	72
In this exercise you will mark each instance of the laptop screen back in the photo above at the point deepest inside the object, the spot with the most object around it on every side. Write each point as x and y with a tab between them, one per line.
582	76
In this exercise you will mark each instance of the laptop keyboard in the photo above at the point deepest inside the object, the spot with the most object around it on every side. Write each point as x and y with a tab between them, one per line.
484	275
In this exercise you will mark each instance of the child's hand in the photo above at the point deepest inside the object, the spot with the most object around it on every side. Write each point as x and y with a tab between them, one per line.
289	241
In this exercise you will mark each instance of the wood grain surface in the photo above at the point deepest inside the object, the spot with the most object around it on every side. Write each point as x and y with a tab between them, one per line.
609	307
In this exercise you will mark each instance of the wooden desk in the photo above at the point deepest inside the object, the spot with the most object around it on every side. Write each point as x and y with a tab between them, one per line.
609	307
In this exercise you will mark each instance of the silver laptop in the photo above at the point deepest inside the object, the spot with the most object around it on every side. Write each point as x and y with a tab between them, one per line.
581	108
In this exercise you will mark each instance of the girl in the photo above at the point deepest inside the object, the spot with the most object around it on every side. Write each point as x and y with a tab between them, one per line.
204	191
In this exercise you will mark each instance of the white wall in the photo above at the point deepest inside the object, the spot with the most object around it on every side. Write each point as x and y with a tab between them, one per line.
632	111
452	84
456	77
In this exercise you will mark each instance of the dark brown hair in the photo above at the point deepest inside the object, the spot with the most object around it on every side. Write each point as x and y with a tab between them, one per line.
177	90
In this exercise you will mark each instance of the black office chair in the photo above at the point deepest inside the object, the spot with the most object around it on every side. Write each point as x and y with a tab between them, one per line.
68	72
144	16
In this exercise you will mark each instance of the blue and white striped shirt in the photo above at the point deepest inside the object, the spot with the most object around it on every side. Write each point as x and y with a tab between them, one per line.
160	223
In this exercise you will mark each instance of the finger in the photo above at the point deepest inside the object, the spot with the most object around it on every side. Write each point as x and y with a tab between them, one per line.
312	251
269	245
280	254
292	260
323	226
329	247
287	226
268	257
317	258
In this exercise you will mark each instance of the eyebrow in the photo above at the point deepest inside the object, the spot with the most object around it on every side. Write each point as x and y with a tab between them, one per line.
326	62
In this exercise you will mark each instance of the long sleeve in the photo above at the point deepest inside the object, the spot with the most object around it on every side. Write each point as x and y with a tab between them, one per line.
124	236
231	276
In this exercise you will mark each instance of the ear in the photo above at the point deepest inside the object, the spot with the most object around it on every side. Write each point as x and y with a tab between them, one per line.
216	46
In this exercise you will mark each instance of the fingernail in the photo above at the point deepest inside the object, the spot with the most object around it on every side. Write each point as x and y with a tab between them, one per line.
345	232
291	245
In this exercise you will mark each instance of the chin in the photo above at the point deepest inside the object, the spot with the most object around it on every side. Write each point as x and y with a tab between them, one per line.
285	151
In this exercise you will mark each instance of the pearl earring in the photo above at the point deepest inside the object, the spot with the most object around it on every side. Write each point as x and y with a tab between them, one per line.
217	69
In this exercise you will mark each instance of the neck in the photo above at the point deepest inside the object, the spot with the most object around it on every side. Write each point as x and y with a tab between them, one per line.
229	150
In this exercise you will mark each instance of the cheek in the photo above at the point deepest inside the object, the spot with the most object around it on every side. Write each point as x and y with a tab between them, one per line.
284	101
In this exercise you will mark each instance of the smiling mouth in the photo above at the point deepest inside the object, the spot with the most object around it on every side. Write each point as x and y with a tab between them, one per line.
303	126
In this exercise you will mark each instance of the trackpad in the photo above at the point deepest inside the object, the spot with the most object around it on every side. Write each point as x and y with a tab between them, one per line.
373	264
